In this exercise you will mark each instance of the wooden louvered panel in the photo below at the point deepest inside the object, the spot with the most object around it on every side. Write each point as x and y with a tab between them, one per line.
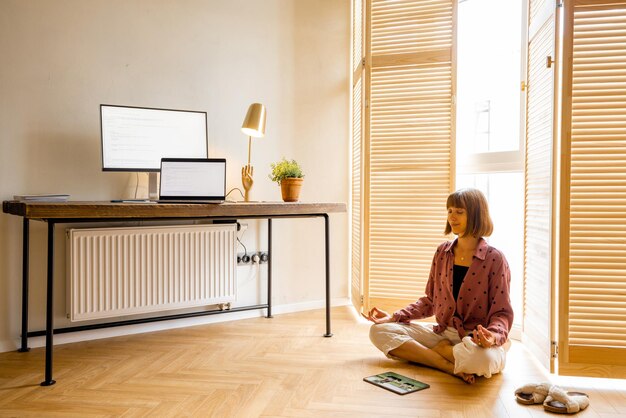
357	34
411	26
538	193
594	313
598	156
410	177
408	131
358	120
357	111
536	11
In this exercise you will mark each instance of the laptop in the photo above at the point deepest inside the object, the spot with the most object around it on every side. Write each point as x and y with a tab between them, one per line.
192	180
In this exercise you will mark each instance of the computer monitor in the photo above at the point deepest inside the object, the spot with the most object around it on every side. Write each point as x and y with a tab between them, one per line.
136	138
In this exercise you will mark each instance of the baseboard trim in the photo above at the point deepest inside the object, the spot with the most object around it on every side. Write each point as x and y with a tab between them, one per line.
6	346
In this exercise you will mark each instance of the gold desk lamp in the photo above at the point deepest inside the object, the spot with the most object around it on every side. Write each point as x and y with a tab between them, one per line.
253	126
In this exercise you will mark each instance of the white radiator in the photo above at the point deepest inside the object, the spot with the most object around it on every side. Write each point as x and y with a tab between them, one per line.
126	271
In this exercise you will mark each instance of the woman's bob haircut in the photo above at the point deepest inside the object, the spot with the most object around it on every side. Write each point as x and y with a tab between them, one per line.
479	222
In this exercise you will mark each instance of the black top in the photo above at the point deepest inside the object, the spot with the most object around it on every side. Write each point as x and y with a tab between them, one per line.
458	274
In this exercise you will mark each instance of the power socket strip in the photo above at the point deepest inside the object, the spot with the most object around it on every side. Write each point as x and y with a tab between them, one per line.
254	257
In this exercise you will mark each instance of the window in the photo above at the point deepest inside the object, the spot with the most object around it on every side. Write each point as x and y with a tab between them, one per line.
505	194
404	142
489	138
489	71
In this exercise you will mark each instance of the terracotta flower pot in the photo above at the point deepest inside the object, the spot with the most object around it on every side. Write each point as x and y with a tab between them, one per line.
290	188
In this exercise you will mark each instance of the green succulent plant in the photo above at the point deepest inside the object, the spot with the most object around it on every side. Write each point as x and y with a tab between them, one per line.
284	169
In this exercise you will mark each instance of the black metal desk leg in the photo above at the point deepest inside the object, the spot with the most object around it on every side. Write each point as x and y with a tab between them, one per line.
24	340
49	311
269	268
327	256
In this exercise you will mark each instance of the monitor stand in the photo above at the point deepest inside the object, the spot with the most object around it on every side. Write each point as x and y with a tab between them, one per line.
153	185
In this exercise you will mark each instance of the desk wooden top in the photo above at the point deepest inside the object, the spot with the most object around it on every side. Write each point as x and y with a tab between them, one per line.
110	210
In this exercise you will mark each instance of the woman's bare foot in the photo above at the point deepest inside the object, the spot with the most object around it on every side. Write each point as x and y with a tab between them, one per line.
444	349
467	378
417	353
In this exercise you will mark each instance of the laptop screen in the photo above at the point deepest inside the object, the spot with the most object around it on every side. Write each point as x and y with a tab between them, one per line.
193	179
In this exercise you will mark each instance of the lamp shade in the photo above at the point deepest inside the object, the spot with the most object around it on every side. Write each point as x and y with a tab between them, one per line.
254	123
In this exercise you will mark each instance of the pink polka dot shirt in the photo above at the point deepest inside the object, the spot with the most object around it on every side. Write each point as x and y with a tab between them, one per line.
483	298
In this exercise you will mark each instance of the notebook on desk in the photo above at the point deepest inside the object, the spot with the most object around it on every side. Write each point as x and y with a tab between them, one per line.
193	180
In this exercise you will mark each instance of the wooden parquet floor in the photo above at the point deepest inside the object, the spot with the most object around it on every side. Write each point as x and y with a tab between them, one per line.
280	367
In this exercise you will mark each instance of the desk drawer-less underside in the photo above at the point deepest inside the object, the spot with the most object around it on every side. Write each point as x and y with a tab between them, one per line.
90	212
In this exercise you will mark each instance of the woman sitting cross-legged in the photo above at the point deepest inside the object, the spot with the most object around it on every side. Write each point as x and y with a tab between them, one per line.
467	291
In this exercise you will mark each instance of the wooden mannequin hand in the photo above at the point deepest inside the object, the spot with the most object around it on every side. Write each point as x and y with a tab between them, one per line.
246	177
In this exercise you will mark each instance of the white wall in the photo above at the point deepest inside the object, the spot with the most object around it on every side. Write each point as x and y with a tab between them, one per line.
60	59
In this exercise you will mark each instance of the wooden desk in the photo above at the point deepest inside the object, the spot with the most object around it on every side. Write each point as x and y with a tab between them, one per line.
81	212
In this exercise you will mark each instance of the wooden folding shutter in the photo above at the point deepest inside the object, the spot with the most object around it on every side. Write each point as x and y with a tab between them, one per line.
592	331
358	69
411	163
537	330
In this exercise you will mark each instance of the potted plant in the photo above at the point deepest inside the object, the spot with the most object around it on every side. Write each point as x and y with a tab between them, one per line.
288	175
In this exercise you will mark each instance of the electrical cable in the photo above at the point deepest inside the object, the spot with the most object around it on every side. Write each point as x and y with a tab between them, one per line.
136	184
245	253
245	250
232	190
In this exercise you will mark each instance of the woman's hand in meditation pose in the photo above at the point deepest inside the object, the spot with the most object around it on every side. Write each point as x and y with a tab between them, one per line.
483	337
378	316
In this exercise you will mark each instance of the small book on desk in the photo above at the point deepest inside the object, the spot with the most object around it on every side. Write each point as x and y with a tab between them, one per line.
47	197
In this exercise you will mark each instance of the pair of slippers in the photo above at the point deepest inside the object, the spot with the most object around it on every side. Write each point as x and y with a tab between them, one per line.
553	398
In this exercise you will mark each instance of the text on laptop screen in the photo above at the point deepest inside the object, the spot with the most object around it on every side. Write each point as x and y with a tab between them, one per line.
193	178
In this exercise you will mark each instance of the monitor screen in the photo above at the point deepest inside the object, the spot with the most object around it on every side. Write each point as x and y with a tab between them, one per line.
136	138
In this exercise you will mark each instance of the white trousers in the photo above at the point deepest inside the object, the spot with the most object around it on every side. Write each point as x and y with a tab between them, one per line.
468	357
